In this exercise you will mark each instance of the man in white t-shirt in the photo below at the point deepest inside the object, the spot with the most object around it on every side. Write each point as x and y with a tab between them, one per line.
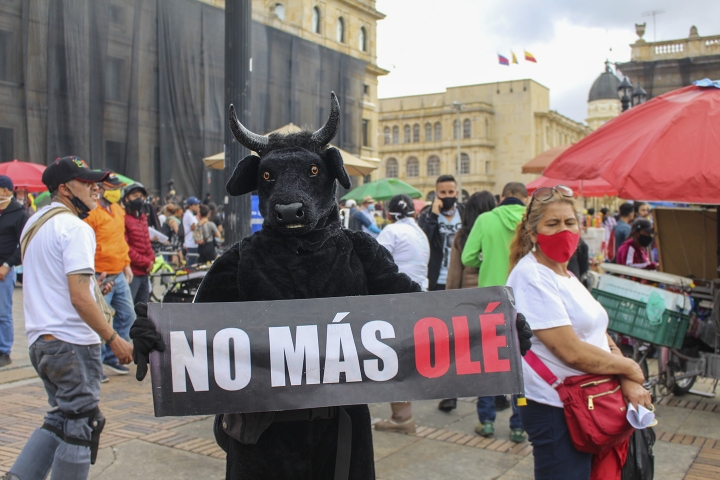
64	326
189	225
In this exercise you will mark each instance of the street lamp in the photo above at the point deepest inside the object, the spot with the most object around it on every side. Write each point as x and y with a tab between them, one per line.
639	96
457	106
624	92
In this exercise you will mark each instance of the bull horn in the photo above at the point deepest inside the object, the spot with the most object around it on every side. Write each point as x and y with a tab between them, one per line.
323	136
246	138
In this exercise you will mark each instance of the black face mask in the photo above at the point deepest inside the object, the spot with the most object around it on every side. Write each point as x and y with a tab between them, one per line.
645	240
83	210
134	205
448	203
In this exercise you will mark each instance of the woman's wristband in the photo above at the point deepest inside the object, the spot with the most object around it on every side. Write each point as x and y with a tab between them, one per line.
112	337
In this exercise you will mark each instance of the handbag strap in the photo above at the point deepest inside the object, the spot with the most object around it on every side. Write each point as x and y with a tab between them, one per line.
541	369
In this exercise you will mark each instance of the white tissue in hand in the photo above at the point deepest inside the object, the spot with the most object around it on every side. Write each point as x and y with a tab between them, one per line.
640	418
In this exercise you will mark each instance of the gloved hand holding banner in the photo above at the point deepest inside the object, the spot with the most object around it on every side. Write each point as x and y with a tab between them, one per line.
295	354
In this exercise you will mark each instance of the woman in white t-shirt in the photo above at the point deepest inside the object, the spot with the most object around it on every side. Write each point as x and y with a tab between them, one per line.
570	329
411	251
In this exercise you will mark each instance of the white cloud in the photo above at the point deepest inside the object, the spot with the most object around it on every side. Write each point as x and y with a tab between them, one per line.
429	44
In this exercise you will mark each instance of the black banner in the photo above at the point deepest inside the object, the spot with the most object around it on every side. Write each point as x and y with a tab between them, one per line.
292	354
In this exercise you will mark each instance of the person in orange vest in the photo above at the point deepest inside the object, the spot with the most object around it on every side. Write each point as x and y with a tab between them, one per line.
112	258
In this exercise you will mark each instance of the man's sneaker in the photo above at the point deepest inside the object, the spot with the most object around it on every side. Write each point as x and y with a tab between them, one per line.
117	368
517	435
407	427
448	404
4	360
104	378
486	429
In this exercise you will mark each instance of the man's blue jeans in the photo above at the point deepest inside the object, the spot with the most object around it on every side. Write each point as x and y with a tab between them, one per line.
486	412
71	375
120	298
7	333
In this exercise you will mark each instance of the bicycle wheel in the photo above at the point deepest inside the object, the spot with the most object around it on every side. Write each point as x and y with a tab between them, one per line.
636	354
161	281
677	366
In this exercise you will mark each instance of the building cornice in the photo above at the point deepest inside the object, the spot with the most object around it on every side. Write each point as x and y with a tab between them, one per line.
373	69
363	7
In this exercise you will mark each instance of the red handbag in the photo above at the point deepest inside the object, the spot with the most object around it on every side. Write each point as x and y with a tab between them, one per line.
595	409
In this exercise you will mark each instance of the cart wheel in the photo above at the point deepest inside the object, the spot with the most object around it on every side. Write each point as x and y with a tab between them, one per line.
678	366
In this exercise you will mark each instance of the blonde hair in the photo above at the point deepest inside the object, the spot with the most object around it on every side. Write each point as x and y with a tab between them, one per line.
522	243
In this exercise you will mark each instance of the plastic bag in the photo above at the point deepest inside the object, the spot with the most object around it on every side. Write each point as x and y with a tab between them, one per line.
640	464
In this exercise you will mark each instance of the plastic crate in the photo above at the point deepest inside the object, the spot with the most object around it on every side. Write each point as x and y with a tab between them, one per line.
628	317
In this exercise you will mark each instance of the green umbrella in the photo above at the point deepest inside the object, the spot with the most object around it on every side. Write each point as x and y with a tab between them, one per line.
383	189
44	197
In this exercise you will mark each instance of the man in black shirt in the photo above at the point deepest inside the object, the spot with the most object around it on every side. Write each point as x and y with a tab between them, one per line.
12	221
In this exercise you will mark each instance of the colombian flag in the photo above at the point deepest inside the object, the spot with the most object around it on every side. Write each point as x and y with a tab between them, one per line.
514	58
503	60
529	57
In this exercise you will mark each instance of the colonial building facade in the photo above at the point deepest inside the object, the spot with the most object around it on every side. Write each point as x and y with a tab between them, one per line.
502	126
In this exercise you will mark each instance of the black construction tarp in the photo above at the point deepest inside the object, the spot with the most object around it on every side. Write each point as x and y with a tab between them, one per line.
138	86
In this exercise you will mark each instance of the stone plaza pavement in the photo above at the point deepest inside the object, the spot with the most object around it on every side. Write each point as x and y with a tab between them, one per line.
135	444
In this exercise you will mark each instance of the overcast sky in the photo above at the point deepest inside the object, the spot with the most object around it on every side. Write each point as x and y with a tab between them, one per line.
432	44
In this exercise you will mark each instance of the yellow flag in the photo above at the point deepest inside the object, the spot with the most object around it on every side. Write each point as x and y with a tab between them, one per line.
514	58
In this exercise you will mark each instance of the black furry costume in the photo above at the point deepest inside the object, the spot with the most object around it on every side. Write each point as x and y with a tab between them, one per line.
312	258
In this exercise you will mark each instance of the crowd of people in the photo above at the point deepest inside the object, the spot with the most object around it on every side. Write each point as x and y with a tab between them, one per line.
105	246
531	243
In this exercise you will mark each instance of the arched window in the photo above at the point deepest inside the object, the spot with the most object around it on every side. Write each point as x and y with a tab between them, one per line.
362	40
438	132
391	168
386	135
396	134
280	11
316	19
433	166
406	136
341	30
467	128
416	133
464	163
413	167
456	129
428	132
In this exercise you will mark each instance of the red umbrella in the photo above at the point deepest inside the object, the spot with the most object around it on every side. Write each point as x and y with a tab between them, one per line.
586	188
667	149
24	174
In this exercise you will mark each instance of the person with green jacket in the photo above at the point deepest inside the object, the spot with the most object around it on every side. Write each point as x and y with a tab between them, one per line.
488	248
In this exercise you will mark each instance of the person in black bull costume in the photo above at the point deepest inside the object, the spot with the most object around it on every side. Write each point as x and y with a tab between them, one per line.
301	252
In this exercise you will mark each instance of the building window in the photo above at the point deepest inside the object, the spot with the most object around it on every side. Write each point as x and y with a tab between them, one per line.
391	168
487	168
316	20
487	128
5	55
116	14
433	166
280	11
464	163
413	167
113	83
115	156
367	179
366	89
386	136
6	144
363	40
341	30
365	133
416	133
467	128
428	132
438	132
406	132
396	134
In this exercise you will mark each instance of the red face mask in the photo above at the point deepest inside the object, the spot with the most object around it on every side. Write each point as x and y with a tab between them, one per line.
560	246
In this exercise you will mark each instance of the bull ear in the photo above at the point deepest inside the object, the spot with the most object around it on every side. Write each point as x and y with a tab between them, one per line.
245	177
334	160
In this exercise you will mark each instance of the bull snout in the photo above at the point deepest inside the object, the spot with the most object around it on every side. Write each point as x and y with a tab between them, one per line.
290	214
